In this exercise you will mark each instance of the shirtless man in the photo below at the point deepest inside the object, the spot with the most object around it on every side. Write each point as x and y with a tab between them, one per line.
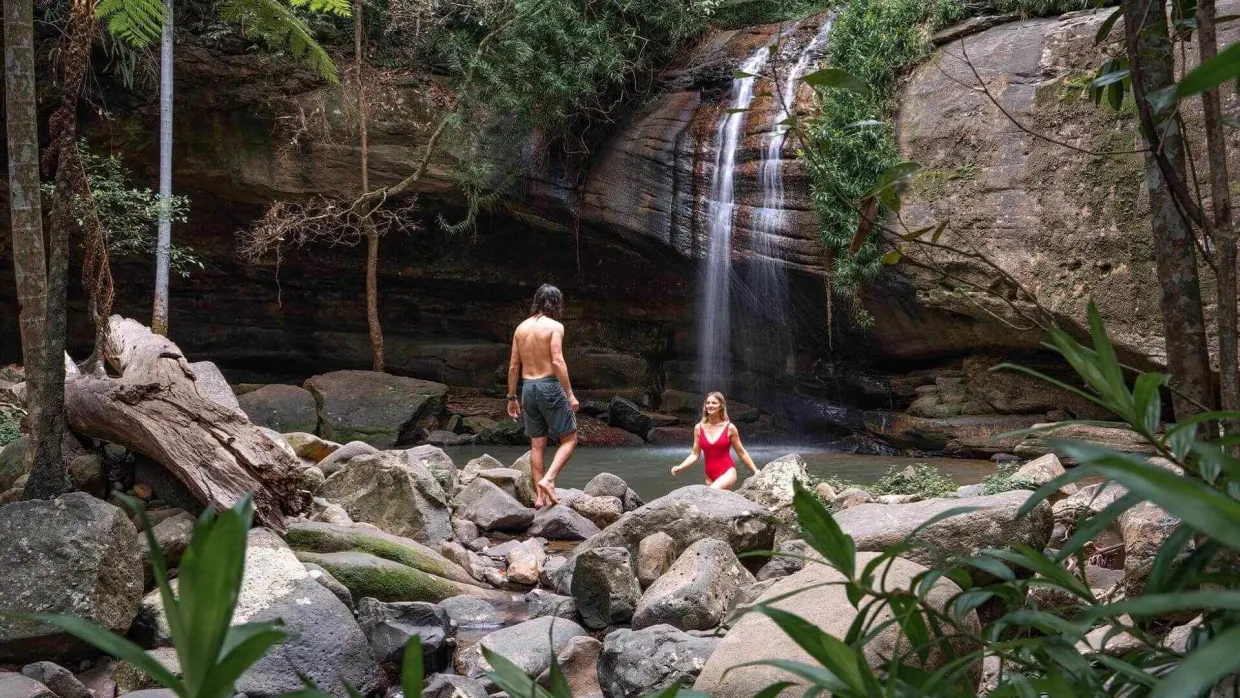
547	398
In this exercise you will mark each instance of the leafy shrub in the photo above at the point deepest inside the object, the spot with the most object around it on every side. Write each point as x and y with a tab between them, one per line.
10	423
925	480
1005	480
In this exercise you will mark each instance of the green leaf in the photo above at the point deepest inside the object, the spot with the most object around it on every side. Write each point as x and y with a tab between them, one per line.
1096	525
834	77
1105	29
1110	78
817	676
738	110
1162	604
1210	74
836	657
245	645
118	647
774	690
1204	667
1197	504
1038	562
892	257
742	75
1167	555
821	531
411	670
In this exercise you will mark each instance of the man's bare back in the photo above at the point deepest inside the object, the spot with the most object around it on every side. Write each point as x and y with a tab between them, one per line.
532	343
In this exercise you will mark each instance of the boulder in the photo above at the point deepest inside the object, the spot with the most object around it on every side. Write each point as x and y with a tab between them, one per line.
390	491
1119	437
453	686
688	515
484	503
639	662
825	492
606	485
330	583
601	511
772	486
1042	470
385	580
698	590
325	643
443	437
74	555
1143	528
605	587
542	604
323	511
285	408
465	530
525	562
315	537
508	480
471	612
12	462
625	415
19	686
388	627
86	474
339	457
62	681
310	447
523	465
212	385
477	465
130	680
994	524
851	497
381	409
655	554
822	602
439	463
529	645
172	535
552	567
578	660
1088	501
788	560
897	498
558	522
593	433
632	500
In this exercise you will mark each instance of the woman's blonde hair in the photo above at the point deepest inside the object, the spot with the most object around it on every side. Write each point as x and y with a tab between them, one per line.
723	406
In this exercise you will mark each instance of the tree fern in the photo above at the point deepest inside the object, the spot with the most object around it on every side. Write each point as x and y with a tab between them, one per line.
136	22
139	23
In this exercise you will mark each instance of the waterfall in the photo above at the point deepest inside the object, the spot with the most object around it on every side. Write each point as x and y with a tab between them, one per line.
715	336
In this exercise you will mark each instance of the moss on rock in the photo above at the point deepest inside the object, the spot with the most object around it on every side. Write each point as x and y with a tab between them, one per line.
315	537
385	580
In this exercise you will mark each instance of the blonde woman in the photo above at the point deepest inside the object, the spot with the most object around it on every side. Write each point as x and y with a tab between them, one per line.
716	437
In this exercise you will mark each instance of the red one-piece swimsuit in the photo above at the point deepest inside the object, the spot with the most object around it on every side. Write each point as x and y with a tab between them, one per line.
718	452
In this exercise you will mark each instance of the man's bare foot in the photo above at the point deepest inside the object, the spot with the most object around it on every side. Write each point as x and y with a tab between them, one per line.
539	502
548	489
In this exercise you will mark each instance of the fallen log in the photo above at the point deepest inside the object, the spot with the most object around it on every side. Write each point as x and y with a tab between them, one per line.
155	408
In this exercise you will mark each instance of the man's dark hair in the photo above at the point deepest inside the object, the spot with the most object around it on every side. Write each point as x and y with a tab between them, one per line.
548	301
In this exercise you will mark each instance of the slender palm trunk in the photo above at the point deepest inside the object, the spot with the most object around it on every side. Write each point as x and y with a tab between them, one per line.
1220	195
163	246
1153	62
372	235
44	383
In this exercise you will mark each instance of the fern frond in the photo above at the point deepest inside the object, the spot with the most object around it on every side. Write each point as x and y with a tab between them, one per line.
138	23
340	8
280	29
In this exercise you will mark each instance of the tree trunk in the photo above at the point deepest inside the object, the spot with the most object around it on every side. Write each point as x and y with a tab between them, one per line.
1153	68
372	235
163	246
1224	231
155	408
44	382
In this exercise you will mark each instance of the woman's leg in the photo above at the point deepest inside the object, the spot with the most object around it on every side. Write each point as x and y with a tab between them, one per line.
725	481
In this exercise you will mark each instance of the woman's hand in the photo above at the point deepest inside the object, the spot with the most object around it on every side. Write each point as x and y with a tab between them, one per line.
677	469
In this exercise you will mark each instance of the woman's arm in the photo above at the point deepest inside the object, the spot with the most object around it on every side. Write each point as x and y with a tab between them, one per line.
693	455
734	435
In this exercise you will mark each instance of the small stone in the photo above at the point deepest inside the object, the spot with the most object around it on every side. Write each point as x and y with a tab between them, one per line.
655	554
62	682
471	612
142	490
388	627
525	562
825	492
852	497
606	485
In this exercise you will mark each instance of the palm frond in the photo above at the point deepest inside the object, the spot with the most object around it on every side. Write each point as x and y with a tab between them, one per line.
340	8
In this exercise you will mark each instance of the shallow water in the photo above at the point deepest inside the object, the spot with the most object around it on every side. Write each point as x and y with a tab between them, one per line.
645	469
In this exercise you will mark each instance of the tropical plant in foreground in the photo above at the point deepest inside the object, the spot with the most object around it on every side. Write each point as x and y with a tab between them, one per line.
1041	652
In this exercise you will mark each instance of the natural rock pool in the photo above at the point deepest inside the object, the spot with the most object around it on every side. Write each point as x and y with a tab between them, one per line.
646	469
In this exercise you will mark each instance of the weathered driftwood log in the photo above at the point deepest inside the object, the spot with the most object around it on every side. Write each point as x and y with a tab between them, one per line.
155	408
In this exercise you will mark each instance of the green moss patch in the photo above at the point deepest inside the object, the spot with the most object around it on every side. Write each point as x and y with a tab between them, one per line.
316	537
368	576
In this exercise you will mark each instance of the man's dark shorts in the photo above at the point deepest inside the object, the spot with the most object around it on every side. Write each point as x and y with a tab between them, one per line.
545	407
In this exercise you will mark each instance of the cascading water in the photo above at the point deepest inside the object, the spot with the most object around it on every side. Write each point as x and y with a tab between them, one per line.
715	336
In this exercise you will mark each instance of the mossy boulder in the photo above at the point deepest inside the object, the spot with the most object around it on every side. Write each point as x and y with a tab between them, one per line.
315	537
390	490
381	409
368	575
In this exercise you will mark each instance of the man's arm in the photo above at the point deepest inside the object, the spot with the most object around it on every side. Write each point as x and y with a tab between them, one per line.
514	370
560	367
